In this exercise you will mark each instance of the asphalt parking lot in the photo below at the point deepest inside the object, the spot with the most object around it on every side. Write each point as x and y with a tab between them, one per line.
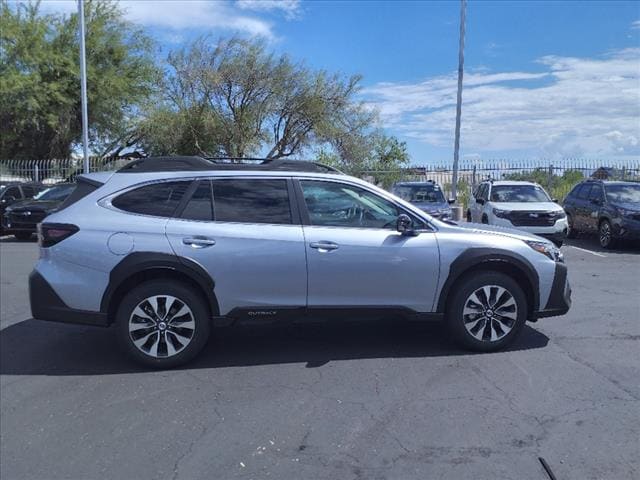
331	401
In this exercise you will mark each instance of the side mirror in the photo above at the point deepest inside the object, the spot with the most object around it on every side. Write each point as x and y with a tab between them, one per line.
480	201
554	200
595	201
404	225
451	201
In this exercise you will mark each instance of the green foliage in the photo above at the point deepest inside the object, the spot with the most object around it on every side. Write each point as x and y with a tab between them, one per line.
380	159
558	186
237	99
40	81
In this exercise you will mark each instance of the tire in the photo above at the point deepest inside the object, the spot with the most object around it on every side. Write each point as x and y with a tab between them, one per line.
173	345
468	216
605	235
571	232
23	236
485	219
463	323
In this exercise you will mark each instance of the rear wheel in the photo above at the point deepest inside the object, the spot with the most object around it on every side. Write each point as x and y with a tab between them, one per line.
162	324
23	235
468	215
485	219
487	311
571	231
605	235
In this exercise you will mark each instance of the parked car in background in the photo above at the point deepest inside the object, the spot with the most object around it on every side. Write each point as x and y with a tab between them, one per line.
21	218
427	196
523	205
12	192
609	208
166	248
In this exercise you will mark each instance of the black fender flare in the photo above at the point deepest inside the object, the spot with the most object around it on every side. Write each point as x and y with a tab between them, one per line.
474	257
138	262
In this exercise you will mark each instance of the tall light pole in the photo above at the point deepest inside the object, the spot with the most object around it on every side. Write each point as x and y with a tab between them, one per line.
83	89
456	146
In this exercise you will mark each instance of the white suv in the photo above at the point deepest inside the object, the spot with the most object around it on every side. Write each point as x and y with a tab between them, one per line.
524	205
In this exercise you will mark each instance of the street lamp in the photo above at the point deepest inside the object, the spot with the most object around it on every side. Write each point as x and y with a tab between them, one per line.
456	147
83	89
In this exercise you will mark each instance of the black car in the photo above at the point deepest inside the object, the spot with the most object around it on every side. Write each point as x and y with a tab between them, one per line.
610	208
12	192
21	218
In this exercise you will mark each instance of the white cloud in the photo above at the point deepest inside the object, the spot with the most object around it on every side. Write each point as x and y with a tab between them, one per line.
182	14
635	25
575	107
291	8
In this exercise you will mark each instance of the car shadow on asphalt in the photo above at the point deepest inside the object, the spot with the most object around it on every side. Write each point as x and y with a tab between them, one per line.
34	347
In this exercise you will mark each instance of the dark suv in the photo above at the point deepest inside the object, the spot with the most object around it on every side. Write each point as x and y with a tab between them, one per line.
610	208
12	192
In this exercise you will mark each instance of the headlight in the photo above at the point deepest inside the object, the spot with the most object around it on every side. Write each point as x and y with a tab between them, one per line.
547	249
501	213
560	214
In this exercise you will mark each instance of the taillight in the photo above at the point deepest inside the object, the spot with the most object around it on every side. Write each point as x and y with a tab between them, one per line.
51	233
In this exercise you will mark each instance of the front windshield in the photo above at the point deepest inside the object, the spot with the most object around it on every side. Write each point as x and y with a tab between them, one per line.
518	194
623	193
420	193
59	192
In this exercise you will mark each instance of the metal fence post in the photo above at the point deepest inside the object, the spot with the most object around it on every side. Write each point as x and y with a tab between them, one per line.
550	177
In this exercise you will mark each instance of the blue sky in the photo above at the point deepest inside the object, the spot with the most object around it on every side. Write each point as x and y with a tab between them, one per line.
542	79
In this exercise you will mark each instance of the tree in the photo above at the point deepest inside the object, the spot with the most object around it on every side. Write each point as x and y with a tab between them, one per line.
375	155
40	113
236	99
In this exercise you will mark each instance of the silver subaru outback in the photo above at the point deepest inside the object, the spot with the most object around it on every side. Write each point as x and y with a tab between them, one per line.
167	248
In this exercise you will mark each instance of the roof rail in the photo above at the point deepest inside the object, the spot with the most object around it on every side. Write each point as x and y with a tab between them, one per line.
193	163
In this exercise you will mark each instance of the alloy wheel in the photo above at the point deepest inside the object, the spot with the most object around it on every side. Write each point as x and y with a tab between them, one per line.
605	234
161	326
490	313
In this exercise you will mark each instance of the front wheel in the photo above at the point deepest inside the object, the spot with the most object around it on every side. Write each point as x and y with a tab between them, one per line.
162	323
605	235
487	311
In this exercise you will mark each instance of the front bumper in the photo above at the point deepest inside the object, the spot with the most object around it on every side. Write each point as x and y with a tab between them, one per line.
627	229
559	301
47	305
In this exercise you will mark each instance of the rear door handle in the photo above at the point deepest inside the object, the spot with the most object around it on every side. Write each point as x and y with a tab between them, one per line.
324	246
198	241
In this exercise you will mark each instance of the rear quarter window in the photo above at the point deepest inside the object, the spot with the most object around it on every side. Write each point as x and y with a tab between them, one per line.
156	199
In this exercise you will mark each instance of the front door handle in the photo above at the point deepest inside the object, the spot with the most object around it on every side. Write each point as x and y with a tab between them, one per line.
198	241
324	246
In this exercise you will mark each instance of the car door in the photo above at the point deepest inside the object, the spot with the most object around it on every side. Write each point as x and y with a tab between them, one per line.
247	235
355	256
595	204
583	207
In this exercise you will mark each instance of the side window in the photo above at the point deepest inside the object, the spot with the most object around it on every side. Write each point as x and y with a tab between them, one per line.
251	201
13	192
28	191
583	193
200	205
482	191
157	199
596	193
341	205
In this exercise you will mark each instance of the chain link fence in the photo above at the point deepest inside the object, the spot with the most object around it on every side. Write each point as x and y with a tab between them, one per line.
557	177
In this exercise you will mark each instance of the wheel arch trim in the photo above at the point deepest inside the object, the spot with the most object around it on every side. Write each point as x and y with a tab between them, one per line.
474	257
137	263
